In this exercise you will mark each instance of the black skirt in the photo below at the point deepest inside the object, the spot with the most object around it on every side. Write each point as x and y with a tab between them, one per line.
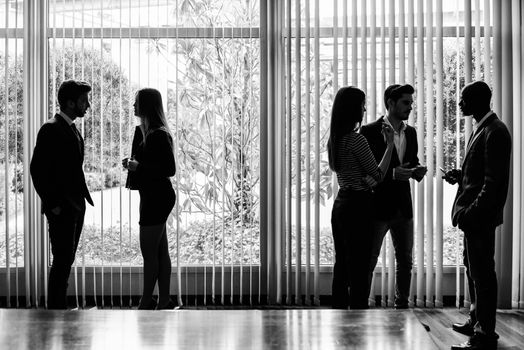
156	205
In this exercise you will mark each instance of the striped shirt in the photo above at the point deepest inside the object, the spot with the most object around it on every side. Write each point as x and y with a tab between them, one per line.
354	161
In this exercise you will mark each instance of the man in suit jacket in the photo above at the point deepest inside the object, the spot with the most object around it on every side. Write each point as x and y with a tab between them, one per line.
58	177
392	207
478	210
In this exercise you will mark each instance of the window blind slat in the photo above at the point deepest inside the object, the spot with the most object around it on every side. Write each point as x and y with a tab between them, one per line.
334	181
478	51
289	160
373	113
354	43
383	52
344	43
177	175
468	57
372	102
411	80
83	263
419	212
391	68
429	220
439	230
317	155
487	43
517	150
298	156
307	150
363	49
521	267
402	41
391	42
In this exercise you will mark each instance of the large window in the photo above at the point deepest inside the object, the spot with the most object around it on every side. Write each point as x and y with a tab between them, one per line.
247	87
363	44
204	58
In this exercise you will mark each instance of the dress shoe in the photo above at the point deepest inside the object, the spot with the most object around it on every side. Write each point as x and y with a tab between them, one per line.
466	328
151	305
478	342
170	305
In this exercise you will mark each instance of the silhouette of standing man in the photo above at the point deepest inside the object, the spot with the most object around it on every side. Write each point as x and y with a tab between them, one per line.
478	210
392	206
58	177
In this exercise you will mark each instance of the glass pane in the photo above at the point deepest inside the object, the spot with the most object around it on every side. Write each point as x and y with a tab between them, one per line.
454	138
153	13
11	153
211	92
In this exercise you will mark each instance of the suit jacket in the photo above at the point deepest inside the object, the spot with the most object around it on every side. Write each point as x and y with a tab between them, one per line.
391	195
56	167
483	186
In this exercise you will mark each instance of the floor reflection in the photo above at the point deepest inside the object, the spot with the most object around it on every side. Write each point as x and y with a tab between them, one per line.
320	329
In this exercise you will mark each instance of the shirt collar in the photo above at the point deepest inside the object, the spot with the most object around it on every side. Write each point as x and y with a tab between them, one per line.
483	120
66	118
402	124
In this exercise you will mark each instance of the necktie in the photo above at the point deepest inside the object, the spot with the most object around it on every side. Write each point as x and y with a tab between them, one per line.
79	138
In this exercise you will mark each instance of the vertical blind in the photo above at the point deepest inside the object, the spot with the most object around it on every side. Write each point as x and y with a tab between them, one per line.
11	149
248	88
449	44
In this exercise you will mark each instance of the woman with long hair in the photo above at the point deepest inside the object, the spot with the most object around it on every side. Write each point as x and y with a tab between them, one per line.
350	157
150	168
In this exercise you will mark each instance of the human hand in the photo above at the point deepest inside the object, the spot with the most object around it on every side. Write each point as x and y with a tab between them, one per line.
402	172
452	176
125	162
388	133
369	181
56	210
132	164
419	172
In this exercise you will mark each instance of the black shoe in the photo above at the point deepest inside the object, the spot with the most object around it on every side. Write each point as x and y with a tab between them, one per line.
402	306
466	328
151	305
339	307
169	306
478	342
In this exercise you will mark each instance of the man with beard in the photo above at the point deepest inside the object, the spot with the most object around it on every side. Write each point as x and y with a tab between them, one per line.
58	177
478	209
392	206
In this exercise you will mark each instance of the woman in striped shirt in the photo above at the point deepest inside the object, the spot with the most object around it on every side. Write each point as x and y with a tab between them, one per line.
351	159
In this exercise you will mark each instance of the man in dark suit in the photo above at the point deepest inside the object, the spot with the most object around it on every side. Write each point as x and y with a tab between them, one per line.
58	177
478	210
392	207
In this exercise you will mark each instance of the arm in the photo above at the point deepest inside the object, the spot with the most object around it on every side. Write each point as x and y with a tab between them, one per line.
366	158
44	165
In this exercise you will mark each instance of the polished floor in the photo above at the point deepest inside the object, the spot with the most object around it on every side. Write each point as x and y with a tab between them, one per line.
239	329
